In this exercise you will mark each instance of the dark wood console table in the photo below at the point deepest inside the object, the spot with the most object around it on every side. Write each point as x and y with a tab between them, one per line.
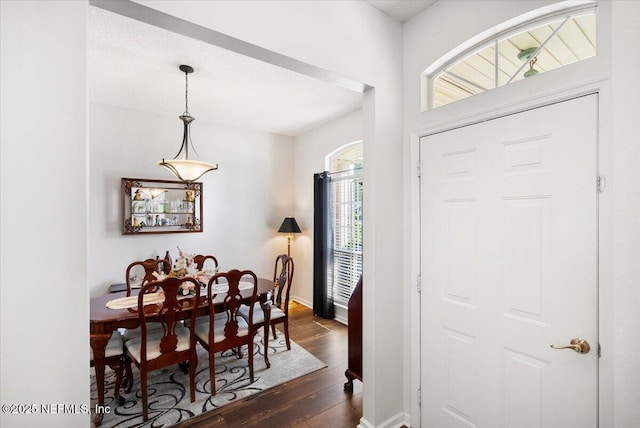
354	370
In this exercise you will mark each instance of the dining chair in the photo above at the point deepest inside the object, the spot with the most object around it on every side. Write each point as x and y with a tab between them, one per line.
225	330
201	261
176	343
279	302
134	276
141	272
114	358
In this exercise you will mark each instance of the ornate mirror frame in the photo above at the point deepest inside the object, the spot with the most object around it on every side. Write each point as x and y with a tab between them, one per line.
160	206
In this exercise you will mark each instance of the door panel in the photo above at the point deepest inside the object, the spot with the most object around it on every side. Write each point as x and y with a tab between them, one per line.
509	266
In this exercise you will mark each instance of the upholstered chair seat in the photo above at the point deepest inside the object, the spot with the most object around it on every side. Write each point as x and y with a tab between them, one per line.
153	343
114	346
202	328
258	313
134	333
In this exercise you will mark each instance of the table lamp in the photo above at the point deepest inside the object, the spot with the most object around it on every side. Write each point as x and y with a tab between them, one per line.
289	226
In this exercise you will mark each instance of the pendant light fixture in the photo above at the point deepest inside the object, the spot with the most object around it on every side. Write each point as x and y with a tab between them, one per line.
185	169
527	55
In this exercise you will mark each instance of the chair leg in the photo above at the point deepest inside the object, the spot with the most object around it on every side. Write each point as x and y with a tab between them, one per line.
128	373
250	350
193	363
117	368
266	346
212	372
273	330
125	381
143	386
286	333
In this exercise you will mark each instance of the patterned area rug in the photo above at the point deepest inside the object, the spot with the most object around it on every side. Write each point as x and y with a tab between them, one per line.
169	401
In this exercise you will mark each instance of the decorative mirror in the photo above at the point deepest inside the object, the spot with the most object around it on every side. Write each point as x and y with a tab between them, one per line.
160	206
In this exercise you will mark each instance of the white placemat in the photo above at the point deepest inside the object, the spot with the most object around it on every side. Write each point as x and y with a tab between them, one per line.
152	298
132	301
224	287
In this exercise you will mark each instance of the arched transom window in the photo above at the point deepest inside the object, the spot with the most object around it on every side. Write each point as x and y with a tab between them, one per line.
517	53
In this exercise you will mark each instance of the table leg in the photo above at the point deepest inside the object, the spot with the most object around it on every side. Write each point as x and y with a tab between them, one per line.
98	343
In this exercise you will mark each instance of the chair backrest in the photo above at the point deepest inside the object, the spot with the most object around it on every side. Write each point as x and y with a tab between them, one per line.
135	275
168	311
283	277
200	261
242	288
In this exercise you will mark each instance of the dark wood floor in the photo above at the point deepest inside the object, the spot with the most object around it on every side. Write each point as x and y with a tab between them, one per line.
316	400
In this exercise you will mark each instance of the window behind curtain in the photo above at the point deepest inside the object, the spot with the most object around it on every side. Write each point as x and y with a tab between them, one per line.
346	199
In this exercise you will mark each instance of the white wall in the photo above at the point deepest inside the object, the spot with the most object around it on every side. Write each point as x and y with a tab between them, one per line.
310	151
625	206
244	200
44	333
611	75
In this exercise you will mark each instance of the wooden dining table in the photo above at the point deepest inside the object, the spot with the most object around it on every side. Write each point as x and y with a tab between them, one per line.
104	321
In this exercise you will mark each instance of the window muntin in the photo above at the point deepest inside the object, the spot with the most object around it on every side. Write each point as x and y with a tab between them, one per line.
554	43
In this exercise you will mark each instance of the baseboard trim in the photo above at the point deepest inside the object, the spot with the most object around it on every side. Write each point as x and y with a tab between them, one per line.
396	421
302	302
364	424
341	315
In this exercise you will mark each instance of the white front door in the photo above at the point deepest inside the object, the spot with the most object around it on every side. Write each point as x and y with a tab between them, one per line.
509	267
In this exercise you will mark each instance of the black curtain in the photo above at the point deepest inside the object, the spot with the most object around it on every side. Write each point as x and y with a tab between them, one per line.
322	245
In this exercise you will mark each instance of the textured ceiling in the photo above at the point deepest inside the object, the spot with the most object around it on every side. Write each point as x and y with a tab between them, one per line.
402	10
134	65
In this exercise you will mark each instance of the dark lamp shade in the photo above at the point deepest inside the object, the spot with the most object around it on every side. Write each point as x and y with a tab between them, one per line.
289	225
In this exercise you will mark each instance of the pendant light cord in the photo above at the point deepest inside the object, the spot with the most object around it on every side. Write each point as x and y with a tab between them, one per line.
187	141
186	94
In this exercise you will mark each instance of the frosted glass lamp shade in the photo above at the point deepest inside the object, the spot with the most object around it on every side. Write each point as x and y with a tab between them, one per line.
187	170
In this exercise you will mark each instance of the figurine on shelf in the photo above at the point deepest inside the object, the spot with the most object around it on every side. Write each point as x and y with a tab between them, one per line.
135	223
137	196
189	196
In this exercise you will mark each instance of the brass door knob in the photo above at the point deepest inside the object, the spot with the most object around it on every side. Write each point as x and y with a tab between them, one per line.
581	346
